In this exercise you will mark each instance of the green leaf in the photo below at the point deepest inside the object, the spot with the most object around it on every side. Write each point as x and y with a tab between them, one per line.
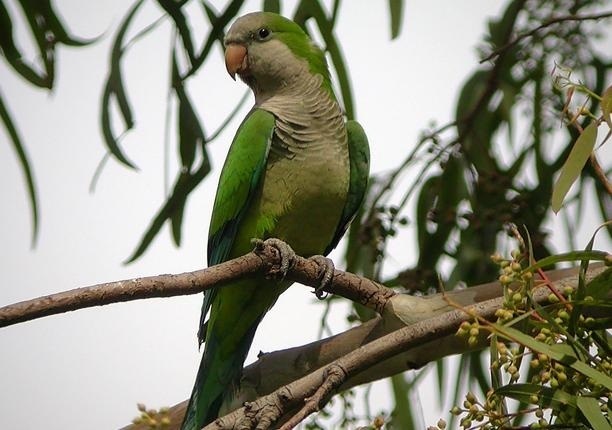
176	222
555	352
547	397
606	106
25	165
589	407
216	32
173	8
568	256
46	30
599	287
272	6
174	204
576	160
402	414
114	88
191	134
395	10
56	27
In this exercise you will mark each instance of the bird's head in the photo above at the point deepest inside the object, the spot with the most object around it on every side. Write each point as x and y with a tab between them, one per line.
270	52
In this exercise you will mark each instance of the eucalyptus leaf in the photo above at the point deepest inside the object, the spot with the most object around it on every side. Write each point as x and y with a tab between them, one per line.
396	8
114	88
590	408
25	165
574	164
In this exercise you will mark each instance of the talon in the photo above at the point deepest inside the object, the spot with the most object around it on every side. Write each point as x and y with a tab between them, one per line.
286	254
326	274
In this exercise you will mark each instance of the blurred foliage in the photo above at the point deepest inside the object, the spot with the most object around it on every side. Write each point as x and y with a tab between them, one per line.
514	131
48	32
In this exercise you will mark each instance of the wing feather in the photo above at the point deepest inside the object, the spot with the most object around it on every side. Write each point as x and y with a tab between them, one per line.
239	180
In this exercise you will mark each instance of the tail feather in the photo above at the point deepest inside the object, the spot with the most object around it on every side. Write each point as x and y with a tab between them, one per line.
216	381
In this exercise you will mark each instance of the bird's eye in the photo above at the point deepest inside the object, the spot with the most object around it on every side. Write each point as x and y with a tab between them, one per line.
263	33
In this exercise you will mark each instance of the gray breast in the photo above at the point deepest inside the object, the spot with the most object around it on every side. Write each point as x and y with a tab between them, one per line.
307	119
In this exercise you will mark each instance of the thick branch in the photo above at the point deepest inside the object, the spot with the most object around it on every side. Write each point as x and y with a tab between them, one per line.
280	368
313	390
263	261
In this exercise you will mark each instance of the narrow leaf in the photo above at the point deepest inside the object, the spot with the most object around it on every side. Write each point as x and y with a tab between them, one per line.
13	55
396	8
272	6
191	134
547	397
185	184
576	160
568	256
554	352
402	416
589	407
114	87
173	8
216	32
25	165
55	25
606	106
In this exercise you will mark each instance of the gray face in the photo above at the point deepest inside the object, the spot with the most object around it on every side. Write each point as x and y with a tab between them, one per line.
244	30
271	64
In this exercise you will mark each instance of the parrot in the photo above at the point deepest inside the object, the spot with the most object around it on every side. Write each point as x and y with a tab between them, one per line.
296	171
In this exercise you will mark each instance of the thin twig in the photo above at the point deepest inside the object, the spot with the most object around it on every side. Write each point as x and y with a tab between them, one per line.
545	24
600	174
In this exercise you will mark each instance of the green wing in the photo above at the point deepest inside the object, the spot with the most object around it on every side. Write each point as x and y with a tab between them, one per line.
359	154
240	177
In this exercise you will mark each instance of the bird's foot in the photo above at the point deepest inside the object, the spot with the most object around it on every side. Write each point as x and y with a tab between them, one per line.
285	252
326	274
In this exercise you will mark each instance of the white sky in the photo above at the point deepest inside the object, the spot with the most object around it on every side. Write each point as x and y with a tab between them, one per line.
88	369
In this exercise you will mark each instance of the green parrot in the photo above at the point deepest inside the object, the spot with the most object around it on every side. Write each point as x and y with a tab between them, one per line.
295	171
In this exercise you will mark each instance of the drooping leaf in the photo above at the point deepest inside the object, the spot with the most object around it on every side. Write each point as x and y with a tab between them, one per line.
216	32
191	135
53	23
25	165
184	185
574	164
606	106
115	88
402	416
272	6
396	8
174	10
46	30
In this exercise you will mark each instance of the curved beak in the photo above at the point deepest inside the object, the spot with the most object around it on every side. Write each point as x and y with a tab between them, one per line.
235	59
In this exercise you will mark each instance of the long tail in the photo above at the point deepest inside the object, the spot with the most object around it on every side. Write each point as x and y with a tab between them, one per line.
217	378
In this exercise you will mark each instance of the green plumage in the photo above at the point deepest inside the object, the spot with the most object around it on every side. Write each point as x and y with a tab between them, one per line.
294	171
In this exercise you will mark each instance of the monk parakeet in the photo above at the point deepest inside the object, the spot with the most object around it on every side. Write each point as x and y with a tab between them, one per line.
296	170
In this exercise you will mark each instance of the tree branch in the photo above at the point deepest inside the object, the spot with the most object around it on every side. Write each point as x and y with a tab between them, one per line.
545	24
313	390
263	261
420	314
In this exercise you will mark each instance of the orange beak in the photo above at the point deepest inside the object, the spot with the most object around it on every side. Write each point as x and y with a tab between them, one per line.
236	59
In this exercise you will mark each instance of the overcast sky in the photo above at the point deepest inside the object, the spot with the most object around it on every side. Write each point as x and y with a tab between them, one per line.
88	369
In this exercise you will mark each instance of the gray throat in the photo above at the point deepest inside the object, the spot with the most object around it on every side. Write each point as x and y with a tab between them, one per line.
307	119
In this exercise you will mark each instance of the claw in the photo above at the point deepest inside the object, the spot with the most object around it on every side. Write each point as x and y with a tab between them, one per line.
287	255
326	269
